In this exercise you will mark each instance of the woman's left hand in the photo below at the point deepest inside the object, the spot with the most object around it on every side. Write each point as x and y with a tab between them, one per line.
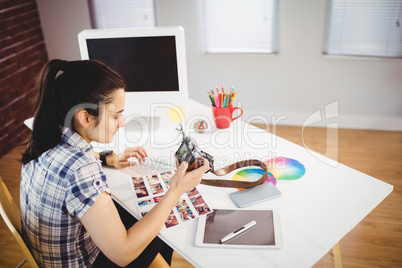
121	160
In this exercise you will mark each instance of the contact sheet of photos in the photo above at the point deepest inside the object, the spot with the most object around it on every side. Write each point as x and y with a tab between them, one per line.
150	189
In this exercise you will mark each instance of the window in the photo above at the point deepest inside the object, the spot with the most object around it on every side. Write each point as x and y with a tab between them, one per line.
364	28
241	26
121	13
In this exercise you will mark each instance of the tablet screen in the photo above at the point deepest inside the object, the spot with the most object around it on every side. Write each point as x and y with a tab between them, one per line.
222	222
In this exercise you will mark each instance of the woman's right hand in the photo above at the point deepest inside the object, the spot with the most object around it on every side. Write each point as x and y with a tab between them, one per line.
183	181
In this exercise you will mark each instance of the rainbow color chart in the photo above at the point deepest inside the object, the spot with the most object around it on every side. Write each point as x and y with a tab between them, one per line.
280	168
252	174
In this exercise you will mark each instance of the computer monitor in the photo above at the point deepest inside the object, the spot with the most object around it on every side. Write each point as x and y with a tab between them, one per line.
152	62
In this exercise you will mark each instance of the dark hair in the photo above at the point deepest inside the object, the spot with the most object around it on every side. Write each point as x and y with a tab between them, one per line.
63	87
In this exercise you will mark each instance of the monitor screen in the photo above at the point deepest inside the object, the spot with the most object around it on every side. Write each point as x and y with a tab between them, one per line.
146	63
152	62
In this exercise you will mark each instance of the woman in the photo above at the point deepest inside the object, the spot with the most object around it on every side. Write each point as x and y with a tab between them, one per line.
68	216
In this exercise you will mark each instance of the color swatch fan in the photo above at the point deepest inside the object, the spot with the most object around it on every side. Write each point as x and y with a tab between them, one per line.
284	168
279	168
252	174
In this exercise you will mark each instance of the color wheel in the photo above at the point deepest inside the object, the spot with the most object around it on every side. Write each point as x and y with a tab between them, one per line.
252	174
279	168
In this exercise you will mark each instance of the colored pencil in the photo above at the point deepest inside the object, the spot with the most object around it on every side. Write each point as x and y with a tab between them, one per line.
234	96
212	99
222	99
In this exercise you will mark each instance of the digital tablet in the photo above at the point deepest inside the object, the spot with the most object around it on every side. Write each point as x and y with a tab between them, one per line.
234	228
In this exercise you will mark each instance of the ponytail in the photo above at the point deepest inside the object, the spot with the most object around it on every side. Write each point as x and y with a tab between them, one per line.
63	86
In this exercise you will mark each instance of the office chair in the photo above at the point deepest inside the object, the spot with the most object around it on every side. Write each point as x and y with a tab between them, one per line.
159	262
11	215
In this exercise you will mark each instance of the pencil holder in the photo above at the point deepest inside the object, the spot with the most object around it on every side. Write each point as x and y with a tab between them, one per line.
224	116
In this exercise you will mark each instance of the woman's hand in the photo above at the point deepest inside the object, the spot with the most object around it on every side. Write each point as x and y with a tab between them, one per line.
183	181
121	160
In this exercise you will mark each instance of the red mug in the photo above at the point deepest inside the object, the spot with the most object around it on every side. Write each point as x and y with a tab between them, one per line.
223	116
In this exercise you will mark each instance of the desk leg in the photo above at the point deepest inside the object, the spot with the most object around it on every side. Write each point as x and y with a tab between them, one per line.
336	252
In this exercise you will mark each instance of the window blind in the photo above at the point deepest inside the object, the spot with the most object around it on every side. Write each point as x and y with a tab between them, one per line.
241	26
122	13
364	28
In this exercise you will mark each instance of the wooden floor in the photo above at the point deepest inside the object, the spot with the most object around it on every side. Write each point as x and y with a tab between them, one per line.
374	242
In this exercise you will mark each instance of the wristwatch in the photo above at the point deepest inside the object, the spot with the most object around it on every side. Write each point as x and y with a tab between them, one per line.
103	155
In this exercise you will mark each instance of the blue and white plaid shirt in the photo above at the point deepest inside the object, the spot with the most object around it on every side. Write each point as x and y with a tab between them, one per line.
57	189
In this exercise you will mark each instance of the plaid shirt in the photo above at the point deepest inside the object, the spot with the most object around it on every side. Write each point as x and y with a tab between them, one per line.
57	189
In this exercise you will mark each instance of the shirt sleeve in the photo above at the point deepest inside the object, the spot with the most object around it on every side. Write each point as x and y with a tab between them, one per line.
87	184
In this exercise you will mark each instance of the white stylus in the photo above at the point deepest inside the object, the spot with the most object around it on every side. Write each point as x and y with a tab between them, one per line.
238	232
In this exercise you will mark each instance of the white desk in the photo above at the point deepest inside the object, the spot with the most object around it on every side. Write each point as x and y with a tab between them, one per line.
316	211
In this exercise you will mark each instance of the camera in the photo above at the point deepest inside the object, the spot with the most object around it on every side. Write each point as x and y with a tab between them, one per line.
191	153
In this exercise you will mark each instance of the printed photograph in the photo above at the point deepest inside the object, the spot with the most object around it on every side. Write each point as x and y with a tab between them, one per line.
151	190
141	192
182	205
144	203
166	175
167	184
157	199
153	179
202	209
197	200
171	220
156	189
186	215
138	182
192	192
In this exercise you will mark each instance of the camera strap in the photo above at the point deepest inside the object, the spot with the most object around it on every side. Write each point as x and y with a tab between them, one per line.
237	184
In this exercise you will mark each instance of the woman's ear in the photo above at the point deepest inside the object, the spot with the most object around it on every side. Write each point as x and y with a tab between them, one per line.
82	118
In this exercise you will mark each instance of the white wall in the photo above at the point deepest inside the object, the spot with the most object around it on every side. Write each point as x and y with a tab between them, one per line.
61	21
293	85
